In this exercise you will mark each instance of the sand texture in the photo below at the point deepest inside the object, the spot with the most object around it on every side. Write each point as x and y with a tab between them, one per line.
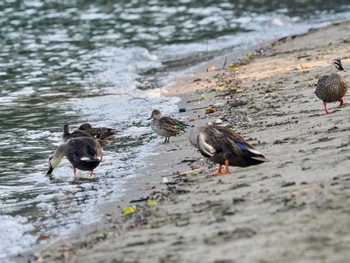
294	208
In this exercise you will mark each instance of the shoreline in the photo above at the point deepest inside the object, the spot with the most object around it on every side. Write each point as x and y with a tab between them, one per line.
273	207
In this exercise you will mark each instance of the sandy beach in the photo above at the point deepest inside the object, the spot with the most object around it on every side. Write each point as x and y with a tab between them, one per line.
294	208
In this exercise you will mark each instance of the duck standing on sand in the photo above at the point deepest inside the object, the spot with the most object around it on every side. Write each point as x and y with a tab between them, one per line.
166	126
84	153
333	87
223	146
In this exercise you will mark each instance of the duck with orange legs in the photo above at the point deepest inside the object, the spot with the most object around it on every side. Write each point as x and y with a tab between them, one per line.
223	146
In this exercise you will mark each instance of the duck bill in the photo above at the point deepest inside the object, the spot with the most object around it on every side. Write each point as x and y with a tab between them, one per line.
149	118
49	172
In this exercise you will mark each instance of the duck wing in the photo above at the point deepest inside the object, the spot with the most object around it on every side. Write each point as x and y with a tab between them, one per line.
322	80
101	133
172	121
94	151
322	84
170	124
234	145
238	146
104	133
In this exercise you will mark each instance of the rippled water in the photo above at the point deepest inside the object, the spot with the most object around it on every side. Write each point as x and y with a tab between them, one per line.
76	61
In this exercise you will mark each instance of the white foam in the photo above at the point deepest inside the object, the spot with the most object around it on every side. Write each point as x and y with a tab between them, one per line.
11	228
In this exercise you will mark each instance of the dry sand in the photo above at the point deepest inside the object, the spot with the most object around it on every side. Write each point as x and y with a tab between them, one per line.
295	208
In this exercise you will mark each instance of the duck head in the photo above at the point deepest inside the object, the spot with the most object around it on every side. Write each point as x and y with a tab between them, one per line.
156	114
56	158
66	129
85	126
338	65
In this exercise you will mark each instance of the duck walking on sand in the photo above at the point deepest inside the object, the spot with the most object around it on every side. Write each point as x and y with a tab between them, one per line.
223	146
166	126
333	87
84	153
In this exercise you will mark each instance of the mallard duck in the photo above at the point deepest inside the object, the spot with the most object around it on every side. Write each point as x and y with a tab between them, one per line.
333	87
84	153
225	147
166	126
101	133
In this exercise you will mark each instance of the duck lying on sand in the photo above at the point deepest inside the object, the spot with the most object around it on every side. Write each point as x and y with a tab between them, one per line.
102	134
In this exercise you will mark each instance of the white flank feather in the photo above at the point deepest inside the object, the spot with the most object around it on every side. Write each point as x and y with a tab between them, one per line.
254	151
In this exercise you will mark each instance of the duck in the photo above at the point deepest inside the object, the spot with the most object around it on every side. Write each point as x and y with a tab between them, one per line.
332	87
166	126
68	134
101	133
84	153
224	146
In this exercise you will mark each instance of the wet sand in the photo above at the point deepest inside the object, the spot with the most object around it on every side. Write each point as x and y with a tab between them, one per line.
294	208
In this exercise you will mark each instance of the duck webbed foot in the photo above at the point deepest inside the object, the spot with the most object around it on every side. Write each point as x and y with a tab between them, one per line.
220	172
325	108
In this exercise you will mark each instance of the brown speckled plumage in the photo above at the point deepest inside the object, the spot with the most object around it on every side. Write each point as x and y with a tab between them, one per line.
166	126
332	87
102	135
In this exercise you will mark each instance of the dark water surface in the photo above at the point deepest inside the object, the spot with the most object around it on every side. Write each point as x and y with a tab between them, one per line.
76	61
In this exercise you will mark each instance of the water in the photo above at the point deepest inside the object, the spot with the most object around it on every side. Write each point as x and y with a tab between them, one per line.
76	61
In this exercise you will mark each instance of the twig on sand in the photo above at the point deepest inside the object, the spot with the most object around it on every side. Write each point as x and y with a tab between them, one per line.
223	66
195	171
140	200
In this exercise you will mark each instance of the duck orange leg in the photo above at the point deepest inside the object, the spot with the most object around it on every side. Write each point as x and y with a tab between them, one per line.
227	163
220	172
91	172
75	171
342	102
325	108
